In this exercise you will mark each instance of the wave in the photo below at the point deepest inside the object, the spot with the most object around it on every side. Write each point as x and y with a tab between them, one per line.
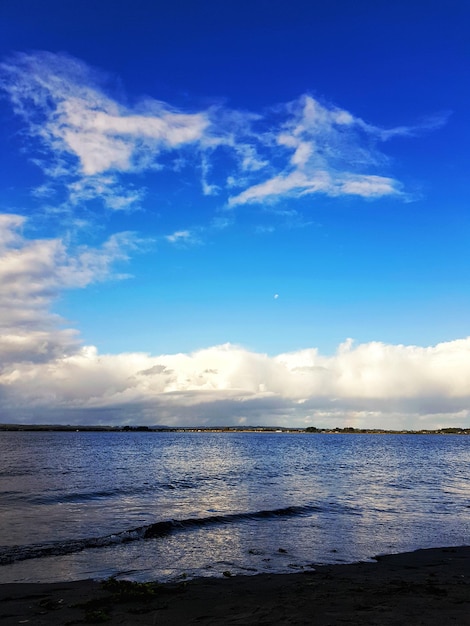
60	497
157	530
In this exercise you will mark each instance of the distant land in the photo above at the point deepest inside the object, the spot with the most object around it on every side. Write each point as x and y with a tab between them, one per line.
227	429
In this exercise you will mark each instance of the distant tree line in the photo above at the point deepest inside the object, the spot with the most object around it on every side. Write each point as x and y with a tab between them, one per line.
454	430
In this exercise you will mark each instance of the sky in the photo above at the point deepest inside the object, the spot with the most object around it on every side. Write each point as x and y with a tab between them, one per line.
235	213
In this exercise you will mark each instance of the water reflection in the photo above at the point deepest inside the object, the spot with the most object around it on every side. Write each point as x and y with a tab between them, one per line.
361	495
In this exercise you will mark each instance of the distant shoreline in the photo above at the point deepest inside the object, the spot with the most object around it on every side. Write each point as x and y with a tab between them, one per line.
227	429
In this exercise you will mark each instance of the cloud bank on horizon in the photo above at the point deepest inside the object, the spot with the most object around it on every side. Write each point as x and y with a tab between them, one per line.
90	147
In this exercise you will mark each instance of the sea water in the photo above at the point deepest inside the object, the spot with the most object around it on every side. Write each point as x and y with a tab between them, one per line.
159	506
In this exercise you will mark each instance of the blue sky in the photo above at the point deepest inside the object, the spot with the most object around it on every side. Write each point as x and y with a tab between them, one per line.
191	181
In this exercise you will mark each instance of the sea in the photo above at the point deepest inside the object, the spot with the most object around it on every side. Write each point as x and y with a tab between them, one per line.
173	505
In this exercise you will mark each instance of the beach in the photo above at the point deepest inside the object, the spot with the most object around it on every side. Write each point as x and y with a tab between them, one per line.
430	587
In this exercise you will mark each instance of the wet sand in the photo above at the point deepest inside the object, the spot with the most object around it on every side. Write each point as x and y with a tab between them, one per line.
430	587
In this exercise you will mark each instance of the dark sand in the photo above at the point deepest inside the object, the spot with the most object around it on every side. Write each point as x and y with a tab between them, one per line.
429	587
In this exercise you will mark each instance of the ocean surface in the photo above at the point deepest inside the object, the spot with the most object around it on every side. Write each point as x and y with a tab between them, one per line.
159	506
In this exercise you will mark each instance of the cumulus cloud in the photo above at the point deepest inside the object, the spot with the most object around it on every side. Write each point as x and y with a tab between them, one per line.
369	385
47	375
89	139
33	272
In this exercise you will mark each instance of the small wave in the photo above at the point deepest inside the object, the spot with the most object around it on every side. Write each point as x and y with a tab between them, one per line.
87	496
161	529
157	530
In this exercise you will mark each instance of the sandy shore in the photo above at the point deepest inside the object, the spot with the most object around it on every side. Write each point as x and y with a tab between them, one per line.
429	587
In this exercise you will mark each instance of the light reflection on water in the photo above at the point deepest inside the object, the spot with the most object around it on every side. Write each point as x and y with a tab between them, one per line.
367	495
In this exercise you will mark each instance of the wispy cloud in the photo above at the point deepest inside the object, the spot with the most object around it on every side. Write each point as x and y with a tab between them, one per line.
108	189
324	150
198	234
89	139
429	123
182	237
89	144
62	101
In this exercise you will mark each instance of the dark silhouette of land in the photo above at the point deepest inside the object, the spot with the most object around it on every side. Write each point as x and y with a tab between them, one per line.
227	429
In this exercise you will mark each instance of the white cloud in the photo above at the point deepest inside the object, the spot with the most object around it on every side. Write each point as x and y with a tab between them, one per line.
299	184
327	151
105	141
107	188
183	237
32	274
46	375
87	138
90	139
367	186
73	115
369	385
